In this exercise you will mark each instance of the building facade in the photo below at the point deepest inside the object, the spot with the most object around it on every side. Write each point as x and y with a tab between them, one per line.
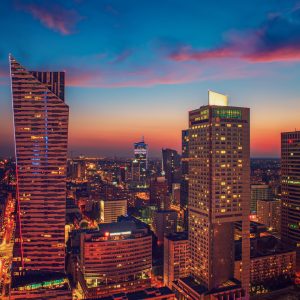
171	166
164	223
116	258
219	190
159	192
140	162
41	140
259	192
111	209
176	257
290	190
269	213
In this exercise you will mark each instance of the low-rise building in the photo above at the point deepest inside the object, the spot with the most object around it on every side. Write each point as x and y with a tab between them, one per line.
111	209
117	257
271	261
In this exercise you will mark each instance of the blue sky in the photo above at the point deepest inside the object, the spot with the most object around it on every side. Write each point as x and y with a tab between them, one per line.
135	68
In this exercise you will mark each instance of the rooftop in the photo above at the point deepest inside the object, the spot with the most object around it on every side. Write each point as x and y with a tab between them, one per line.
37	279
178	236
263	246
145	294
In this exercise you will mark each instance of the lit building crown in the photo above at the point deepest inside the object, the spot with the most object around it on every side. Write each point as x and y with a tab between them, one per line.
217	99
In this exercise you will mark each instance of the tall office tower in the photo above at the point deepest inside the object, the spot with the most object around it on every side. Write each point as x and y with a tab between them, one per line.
290	190
259	192
140	162
219	190
176	194
159	193
185	151
164	222
41	140
184	184
171	166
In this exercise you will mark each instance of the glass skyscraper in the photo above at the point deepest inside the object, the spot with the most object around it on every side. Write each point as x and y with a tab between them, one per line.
140	162
41	141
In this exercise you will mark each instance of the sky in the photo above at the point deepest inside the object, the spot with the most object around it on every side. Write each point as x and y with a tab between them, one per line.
135	68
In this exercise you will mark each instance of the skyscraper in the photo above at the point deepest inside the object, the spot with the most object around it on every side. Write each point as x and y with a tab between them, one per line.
290	190
184	184
140	162
219	191
171	166
159	193
41	140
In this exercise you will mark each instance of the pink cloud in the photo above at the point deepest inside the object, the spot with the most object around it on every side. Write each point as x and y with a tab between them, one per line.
122	56
56	18
283	54
145	77
161	74
187	53
276	39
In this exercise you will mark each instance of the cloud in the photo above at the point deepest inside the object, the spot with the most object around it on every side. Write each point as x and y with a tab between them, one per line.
143	77
54	17
186	53
277	39
160	73
122	56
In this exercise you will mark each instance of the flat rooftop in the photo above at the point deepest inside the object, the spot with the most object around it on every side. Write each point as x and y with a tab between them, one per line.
33	278
263	246
178	236
145	294
200	289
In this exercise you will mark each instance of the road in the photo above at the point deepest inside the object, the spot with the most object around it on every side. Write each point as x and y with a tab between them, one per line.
6	246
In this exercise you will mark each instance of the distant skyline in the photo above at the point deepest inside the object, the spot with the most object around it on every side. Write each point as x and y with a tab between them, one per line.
135	68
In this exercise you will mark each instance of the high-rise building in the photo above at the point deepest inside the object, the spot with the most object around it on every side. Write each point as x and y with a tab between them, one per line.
290	190
184	167
159	192
219	192
164	223
171	166
176	257
176	194
268	213
140	162
259	192
184	184
41	141
76	169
